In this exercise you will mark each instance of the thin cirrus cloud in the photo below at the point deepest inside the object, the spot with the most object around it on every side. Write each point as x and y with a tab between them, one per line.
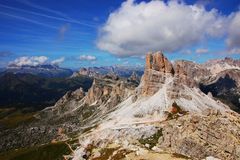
28	20
63	16
136	28
37	14
58	15
87	58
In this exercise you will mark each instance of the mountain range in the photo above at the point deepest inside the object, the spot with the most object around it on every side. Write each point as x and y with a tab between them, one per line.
179	110
44	70
121	71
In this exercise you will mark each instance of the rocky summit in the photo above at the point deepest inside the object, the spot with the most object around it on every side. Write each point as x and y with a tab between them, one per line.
158	69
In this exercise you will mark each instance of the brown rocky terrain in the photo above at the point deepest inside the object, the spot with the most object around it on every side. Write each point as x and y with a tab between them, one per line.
193	125
190	136
158	68
192	70
219	77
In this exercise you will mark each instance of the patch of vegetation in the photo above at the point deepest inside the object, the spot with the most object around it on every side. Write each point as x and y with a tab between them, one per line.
138	115
53	151
177	155
105	153
6	111
16	118
89	128
121	154
152	140
74	143
26	90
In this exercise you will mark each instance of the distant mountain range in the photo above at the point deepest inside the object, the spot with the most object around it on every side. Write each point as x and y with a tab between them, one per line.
121	71
46	70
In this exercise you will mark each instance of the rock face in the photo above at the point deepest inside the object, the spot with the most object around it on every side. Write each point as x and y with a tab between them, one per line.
182	76
107	92
157	61
158	68
104	95
193	71
62	104
199	136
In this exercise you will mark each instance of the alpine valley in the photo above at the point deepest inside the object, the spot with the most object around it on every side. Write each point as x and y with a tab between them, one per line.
168	110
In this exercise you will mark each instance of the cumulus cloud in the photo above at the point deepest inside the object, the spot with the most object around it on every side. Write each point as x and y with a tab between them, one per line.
201	50
233	40
58	61
87	58
29	61
136	28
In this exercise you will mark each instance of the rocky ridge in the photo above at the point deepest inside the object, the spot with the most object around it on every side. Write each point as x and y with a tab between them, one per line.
219	65
99	72
166	113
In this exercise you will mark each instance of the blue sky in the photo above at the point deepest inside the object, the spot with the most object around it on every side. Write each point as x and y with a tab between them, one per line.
71	28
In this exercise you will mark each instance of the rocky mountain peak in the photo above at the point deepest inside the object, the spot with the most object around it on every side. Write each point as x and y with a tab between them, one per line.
157	61
158	68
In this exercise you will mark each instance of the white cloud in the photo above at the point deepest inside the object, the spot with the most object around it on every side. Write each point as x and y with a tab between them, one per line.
58	61
87	58
30	61
201	50
233	40
136	28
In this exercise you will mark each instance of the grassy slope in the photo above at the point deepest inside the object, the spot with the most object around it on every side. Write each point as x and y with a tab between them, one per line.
25	90
54	151
11	118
